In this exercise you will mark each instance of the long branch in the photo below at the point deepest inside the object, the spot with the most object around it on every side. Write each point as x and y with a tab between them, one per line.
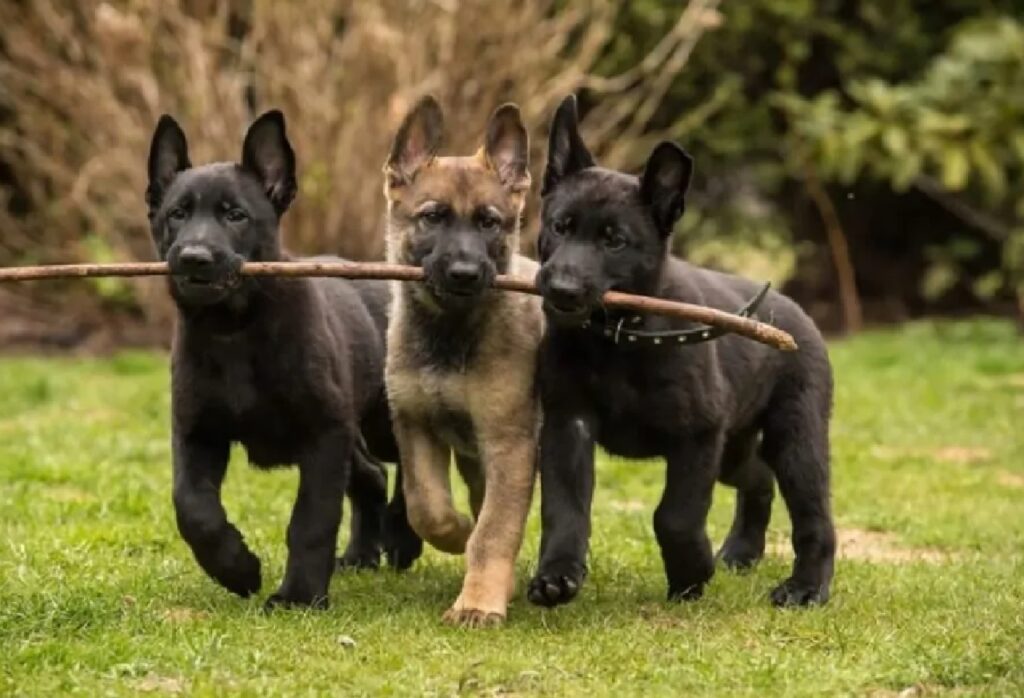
746	327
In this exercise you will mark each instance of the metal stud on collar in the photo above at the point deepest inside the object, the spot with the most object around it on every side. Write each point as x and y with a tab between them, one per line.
618	330
693	336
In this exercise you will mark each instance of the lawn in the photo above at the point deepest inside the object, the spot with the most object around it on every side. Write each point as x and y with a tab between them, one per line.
98	595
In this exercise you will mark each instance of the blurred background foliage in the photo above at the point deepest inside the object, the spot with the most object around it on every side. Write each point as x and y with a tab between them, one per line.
867	155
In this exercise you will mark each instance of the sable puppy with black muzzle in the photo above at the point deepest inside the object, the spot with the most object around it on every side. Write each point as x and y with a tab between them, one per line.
729	410
292	369
461	355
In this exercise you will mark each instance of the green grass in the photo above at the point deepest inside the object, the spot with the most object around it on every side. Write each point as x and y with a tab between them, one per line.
99	596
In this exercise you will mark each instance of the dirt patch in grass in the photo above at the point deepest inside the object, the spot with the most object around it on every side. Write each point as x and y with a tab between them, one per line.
1016	380
1008	479
68	493
945	454
871	546
961	454
918	690
629	505
153	683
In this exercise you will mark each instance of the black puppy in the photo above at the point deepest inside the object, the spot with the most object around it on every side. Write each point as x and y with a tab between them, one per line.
291	369
731	409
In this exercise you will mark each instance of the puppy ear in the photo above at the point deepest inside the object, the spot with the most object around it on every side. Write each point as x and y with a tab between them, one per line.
168	155
664	183
567	154
267	154
507	147
416	143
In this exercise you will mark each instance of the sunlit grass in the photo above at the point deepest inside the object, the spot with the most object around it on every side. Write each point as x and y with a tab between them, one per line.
99	596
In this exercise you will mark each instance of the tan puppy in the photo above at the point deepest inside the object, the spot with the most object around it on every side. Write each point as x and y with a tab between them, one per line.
462	356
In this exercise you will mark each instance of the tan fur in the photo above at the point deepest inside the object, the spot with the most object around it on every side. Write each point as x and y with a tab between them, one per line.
494	393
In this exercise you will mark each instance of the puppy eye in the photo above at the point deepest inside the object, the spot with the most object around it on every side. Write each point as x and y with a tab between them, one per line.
434	216
561	226
177	214
614	241
236	215
488	223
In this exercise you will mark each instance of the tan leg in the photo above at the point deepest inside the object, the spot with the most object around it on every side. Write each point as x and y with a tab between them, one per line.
509	462
427	488
472	473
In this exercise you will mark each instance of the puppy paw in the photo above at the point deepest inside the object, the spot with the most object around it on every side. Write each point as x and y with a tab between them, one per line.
555	587
282	600
359	560
741	555
686	592
794	593
402	551
237	570
473	618
402	546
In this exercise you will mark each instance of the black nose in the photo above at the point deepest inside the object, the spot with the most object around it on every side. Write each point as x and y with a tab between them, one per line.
195	258
465	273
564	292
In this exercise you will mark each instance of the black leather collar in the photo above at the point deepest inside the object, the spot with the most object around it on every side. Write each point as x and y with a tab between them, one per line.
619	332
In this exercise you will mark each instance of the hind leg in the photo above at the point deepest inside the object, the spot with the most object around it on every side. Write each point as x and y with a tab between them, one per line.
796	448
402	545
755	489
367	492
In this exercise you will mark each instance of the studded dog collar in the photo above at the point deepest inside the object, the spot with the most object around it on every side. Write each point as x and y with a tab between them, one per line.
619	332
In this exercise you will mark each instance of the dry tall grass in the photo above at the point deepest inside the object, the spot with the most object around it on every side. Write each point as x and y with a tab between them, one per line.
82	84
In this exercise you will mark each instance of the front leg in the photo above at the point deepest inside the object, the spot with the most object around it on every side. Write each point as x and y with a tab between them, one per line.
313	530
199	468
680	521
567	490
426	484
509	460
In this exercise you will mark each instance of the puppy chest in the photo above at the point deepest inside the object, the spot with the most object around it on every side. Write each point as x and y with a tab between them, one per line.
639	411
455	429
437	401
232	385
268	418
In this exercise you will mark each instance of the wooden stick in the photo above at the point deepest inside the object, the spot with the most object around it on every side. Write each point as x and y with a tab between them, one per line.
746	327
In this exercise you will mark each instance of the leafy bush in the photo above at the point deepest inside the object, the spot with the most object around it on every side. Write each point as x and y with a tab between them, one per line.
786	105
84	83
956	132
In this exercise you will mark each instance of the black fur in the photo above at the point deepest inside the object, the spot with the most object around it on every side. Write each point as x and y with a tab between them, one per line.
730	410
446	341
290	369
